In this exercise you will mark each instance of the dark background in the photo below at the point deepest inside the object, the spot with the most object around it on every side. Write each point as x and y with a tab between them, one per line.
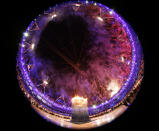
17	113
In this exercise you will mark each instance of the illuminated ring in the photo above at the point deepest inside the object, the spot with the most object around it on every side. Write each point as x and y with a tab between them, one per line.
130	87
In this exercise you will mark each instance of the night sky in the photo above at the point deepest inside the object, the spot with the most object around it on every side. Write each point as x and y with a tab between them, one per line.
19	115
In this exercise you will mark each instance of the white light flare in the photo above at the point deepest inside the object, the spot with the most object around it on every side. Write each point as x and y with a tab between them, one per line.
78	5
53	16
94	106
23	45
100	19
114	87
98	122
111	12
45	82
26	34
32	46
122	59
